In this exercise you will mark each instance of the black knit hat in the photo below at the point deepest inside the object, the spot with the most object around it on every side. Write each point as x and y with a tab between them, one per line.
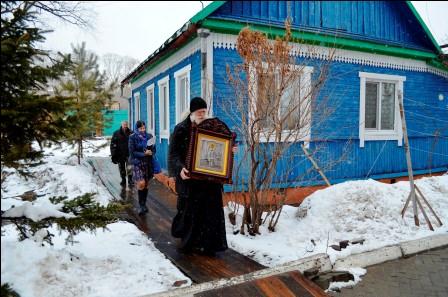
197	103
139	124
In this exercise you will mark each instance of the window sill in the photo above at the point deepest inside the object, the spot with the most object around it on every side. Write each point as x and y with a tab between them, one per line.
381	135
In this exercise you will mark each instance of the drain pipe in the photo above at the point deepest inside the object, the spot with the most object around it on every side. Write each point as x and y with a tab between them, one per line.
205	89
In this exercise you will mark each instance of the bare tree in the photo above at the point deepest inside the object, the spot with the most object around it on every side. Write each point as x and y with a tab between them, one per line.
276	103
72	12
116	66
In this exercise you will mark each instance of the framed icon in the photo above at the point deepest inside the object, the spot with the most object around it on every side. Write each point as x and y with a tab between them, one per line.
210	155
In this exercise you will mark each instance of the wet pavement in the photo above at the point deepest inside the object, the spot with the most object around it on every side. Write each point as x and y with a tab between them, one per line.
424	274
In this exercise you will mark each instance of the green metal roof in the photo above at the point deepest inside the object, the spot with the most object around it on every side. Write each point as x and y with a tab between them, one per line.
206	11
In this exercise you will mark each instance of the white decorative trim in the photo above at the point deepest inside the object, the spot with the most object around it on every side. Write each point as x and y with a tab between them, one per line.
185	71
130	113
367	135
380	76
437	71
149	89
228	41
164	134
182	54
182	71
209	75
136	106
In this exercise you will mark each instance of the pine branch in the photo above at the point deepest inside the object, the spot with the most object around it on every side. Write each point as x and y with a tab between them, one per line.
89	215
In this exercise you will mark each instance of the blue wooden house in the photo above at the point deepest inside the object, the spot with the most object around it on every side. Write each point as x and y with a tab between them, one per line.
381	46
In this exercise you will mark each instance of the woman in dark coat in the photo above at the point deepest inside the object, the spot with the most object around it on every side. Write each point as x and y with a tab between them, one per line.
141	150
199	221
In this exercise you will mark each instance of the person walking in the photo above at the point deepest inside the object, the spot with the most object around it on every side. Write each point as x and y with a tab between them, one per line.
142	149
119	150
199	221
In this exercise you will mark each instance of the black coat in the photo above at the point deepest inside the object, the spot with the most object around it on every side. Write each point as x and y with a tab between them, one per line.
199	221
119	145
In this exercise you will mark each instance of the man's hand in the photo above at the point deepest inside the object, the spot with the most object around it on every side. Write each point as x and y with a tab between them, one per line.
148	153
184	173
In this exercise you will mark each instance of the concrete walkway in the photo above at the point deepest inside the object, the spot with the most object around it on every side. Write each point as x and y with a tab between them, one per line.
424	274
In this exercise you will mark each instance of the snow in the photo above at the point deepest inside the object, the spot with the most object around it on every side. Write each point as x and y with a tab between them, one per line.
120	261
358	209
37	211
347	211
357	272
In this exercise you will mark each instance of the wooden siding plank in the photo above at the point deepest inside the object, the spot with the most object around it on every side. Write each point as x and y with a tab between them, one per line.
287	284
256	9
378	21
273	10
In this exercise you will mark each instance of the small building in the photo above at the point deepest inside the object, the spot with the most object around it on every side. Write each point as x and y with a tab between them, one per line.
383	48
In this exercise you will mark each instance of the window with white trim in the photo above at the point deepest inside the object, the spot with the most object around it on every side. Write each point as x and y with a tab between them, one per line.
150	125
182	77
379	107
136	107
164	105
293	110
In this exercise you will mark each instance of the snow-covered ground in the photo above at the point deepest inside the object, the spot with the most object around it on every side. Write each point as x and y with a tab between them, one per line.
357	209
118	262
367	210
124	262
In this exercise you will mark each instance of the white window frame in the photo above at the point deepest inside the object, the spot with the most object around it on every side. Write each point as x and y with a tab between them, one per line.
179	75
306	81
150	125
372	135
130	113
164	134
136	106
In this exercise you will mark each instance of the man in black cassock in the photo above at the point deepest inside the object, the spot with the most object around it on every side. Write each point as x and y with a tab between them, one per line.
199	221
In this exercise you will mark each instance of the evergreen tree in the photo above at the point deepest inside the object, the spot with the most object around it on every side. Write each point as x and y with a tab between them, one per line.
87	85
29	112
88	215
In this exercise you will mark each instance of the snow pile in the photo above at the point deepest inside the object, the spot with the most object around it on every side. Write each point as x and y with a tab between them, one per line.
359	209
118	262
122	262
60	175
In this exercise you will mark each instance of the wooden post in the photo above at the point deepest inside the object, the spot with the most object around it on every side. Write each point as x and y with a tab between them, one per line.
427	203
408	161
307	154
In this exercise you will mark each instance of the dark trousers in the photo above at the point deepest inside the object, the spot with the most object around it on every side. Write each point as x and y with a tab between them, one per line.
125	170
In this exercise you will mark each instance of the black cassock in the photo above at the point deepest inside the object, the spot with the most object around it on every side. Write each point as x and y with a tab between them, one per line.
199	221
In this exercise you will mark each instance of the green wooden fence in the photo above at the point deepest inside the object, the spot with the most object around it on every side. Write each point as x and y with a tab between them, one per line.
115	117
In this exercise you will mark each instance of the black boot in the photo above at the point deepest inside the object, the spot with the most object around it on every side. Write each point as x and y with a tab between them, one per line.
142	201
130	181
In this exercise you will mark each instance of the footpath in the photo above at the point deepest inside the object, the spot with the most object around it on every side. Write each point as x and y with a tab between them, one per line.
407	269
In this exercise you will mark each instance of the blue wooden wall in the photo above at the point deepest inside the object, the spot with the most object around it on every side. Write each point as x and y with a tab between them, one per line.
195	90
425	116
380	21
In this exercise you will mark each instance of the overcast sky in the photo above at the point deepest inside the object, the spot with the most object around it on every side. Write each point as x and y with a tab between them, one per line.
137	29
